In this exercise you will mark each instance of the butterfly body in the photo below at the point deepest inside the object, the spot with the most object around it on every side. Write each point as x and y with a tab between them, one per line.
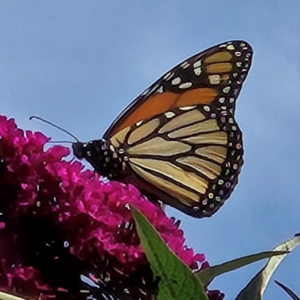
178	141
103	158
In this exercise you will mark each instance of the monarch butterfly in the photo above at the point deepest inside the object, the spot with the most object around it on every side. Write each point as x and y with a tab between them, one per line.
178	141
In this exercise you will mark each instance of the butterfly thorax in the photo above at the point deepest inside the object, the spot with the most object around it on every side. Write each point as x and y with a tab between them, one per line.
102	156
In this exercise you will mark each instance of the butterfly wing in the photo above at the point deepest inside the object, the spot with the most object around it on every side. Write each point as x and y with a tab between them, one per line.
189	157
179	139
214	75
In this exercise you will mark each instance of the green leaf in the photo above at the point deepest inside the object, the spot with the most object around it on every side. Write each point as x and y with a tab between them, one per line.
5	296
177	281
288	291
256	287
210	273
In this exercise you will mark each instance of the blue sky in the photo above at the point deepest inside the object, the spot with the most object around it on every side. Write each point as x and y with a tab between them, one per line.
79	63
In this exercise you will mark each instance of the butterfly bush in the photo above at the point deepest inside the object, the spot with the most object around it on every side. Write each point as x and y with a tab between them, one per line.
59	221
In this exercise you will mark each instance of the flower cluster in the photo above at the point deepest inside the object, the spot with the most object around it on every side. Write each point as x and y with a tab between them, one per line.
60	223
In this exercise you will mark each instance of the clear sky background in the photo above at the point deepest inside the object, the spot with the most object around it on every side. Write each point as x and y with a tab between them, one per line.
79	63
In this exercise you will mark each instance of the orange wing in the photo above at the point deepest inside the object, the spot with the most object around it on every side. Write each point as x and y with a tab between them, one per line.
213	76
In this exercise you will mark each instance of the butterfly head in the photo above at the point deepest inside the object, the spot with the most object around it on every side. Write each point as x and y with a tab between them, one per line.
100	155
79	150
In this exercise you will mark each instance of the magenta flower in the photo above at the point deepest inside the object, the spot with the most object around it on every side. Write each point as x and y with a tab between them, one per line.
63	230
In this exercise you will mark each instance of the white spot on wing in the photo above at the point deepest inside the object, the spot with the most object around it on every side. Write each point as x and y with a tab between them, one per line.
226	89
187	107
214	79
185	65
153	89
145	92
168	76
197	64
197	71
139	123
185	85
230	47
169	114
160	90
176	80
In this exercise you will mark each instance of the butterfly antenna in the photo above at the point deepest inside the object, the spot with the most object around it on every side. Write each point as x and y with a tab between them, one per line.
56	126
